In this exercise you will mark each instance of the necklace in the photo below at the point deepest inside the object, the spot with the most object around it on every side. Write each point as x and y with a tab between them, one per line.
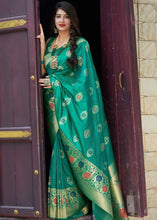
54	62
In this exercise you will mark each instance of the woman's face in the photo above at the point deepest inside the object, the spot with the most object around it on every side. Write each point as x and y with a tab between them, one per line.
62	21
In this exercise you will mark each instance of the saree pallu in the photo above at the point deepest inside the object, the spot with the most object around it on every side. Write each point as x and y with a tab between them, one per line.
82	172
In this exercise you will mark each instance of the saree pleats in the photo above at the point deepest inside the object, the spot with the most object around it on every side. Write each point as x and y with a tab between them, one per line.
82	170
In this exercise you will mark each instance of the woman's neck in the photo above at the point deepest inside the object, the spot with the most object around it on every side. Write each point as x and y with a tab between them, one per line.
63	36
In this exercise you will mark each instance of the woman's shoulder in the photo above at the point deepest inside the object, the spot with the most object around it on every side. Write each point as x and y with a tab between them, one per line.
82	44
49	41
81	41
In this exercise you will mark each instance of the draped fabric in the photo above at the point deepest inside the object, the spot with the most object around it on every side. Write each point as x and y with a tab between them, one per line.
82	172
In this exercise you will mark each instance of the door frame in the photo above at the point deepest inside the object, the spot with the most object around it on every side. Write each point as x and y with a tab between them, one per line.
118	74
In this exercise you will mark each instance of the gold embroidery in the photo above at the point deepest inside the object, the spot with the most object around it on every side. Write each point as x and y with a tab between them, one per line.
80	40
85	210
54	63
88	176
65	202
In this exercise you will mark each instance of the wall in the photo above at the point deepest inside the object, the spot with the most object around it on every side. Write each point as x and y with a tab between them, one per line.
146	37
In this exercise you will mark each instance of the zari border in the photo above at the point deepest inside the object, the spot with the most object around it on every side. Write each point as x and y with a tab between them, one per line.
87	177
63	204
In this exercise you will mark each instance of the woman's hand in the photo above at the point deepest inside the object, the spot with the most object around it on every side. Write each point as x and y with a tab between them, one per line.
42	48
45	82
42	41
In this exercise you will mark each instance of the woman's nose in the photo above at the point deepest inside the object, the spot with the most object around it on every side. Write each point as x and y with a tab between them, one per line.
62	19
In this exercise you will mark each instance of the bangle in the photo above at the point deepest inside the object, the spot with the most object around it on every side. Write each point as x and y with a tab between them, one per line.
42	61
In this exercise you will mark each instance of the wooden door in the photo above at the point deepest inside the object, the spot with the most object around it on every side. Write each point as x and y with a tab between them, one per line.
21	154
21	174
121	98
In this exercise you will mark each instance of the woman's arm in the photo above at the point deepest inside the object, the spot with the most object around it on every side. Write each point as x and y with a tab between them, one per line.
44	82
43	48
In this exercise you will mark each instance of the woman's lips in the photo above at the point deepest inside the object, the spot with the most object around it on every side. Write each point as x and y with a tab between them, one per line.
62	25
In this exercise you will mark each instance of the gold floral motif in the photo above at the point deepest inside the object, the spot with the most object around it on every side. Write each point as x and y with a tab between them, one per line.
85	210
80	61
54	63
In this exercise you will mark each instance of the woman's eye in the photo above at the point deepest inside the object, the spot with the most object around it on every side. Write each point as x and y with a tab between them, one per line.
58	16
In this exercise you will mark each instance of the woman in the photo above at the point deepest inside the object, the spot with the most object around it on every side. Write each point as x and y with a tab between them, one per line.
82	172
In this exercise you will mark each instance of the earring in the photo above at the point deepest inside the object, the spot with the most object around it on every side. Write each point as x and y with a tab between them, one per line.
55	30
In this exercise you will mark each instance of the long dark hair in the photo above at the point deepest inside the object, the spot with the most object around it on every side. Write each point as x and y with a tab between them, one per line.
74	32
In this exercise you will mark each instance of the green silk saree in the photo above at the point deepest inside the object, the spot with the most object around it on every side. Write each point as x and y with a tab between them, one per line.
82	172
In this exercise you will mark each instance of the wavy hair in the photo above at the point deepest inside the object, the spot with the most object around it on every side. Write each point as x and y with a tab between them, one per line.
74	32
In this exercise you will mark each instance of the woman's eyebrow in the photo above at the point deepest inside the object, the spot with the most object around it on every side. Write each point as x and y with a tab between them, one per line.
61	14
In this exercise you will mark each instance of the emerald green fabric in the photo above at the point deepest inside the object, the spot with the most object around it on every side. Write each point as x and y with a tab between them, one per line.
82	171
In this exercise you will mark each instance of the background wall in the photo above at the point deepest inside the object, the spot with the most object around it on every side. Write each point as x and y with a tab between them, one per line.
146	38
